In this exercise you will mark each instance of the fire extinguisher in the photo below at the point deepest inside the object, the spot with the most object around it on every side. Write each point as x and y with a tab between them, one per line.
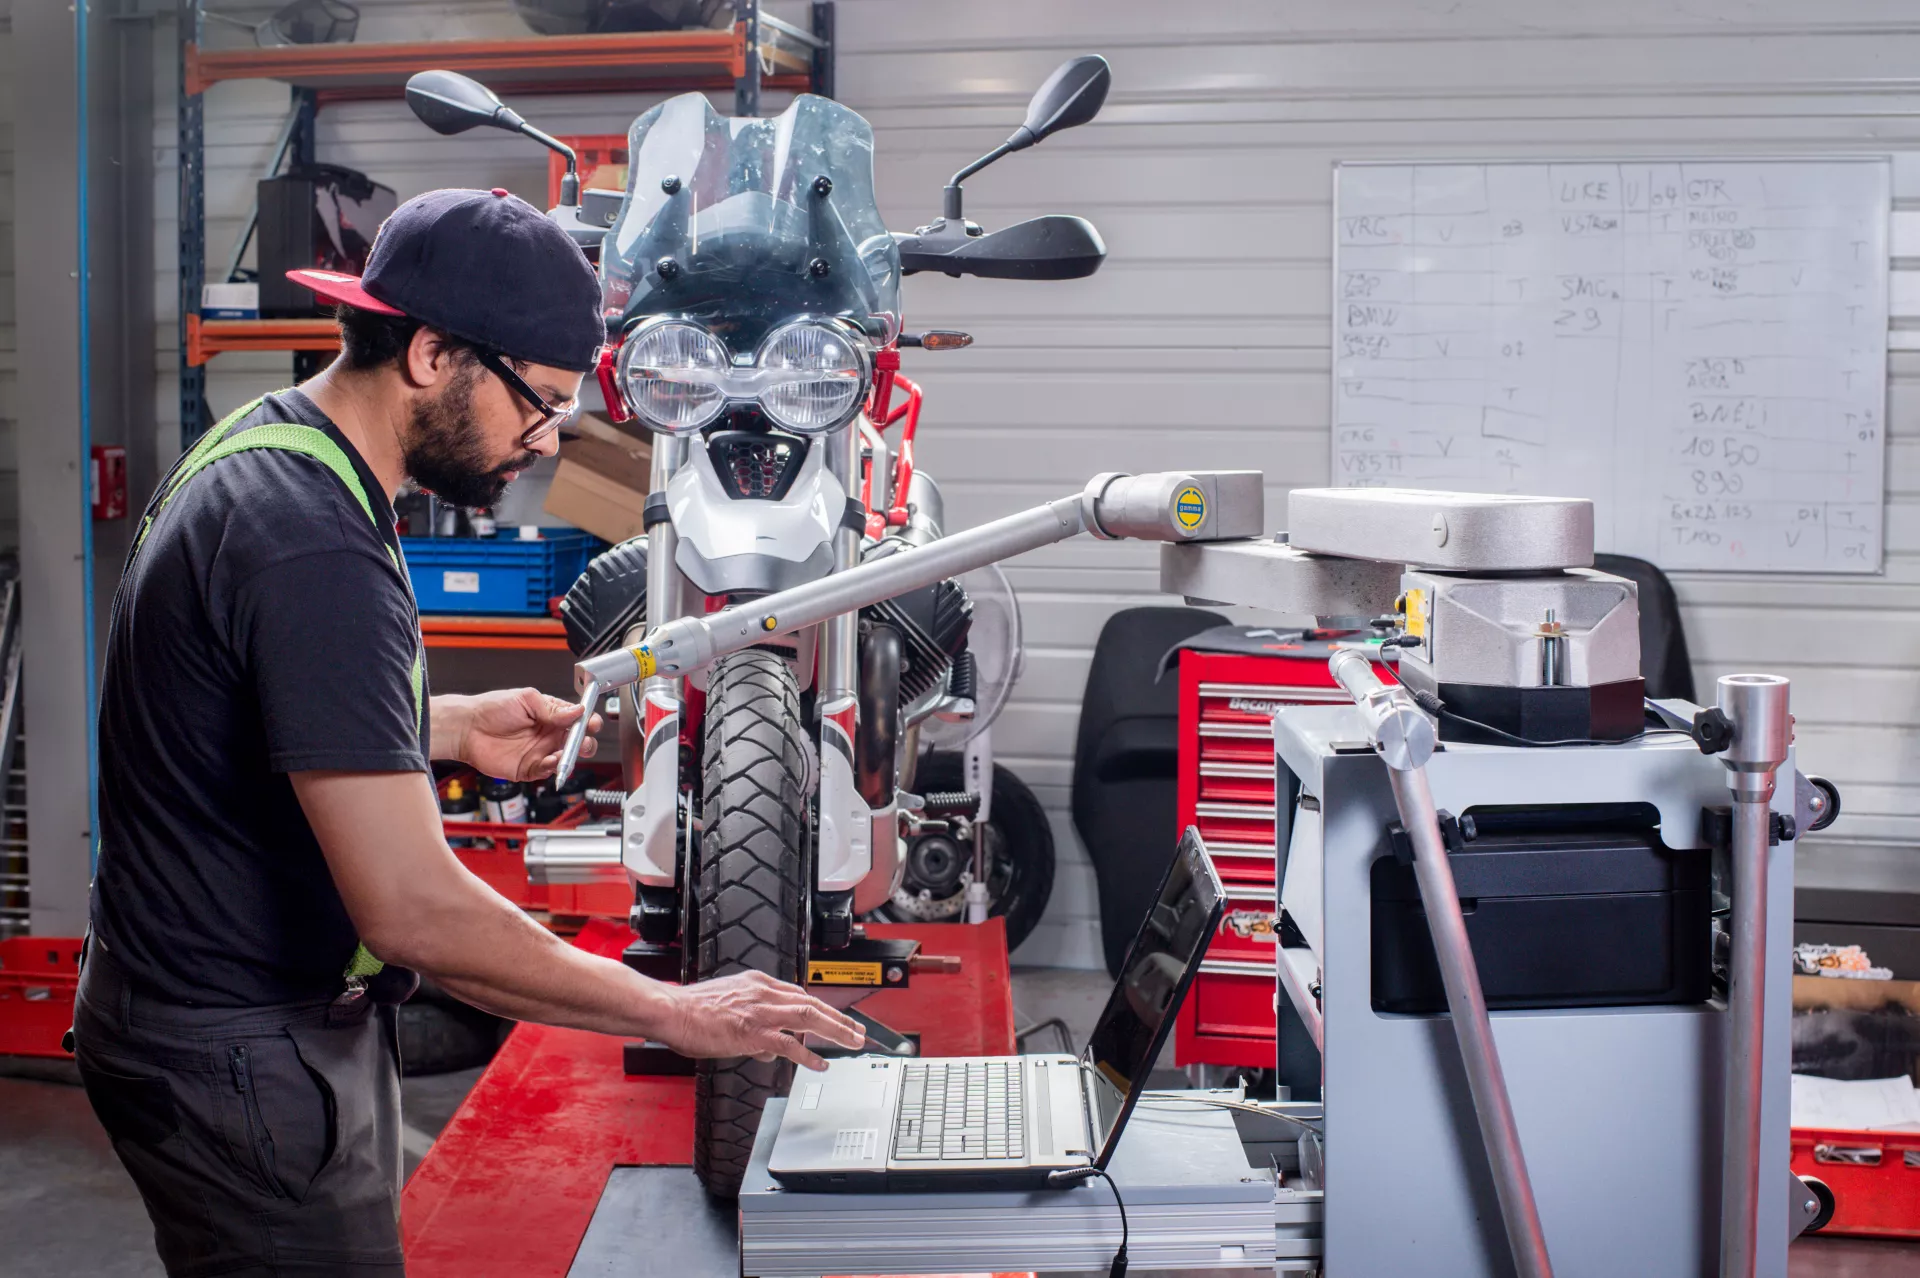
109	481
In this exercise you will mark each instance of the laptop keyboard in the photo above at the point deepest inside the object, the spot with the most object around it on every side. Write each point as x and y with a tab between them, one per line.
961	1110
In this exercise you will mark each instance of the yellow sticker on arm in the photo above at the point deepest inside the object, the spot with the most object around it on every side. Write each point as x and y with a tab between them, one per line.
1189	507
643	658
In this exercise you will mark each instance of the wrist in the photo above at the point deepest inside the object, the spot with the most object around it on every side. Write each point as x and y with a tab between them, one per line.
451	725
663	1010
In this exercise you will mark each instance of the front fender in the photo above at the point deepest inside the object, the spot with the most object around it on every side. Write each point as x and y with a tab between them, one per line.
730	545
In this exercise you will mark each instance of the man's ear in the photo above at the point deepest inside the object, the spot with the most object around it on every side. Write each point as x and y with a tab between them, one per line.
429	360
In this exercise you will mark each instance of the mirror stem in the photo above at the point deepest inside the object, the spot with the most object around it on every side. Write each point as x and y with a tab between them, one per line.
951	204
570	184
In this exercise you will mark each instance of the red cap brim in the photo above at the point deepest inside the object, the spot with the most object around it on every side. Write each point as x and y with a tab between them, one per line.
337	287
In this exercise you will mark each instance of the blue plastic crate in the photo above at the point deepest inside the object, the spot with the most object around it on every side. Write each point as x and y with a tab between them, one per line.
496	575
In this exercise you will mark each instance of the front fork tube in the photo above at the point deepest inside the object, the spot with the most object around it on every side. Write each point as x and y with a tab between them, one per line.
846	822
650	714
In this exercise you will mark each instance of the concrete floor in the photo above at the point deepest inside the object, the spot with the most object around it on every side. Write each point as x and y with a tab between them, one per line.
66	1207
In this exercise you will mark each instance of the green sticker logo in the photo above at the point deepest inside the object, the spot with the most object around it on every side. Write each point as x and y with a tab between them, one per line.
1189	507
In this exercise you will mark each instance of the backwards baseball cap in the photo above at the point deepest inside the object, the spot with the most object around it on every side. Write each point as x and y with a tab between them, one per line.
484	266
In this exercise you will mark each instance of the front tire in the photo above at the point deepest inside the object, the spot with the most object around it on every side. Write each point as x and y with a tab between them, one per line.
750	889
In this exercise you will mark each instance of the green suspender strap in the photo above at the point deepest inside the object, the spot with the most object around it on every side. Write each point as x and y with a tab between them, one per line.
293	438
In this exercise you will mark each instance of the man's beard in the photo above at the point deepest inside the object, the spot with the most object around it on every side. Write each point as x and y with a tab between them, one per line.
446	454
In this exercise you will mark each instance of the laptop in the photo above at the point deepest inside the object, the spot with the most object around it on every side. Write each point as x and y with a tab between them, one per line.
874	1124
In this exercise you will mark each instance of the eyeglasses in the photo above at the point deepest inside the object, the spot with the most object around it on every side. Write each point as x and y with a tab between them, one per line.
552	416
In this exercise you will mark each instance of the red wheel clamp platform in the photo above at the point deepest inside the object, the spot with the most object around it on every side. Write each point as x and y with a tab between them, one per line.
514	1180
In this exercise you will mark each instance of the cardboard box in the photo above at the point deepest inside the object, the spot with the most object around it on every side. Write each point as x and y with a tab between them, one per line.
612	453
1844	994
591	501
601	484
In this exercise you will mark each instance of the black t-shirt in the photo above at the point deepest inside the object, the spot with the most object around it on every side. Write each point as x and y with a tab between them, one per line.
265	626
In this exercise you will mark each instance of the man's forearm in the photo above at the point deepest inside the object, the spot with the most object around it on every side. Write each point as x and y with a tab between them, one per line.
494	956
416	905
413	903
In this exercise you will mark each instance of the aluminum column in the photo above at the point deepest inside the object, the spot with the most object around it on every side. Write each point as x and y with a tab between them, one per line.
1404	738
1762	733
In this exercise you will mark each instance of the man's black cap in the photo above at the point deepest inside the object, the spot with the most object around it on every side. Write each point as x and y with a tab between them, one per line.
485	266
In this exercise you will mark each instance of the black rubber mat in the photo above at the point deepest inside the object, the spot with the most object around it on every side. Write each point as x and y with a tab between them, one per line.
657	1222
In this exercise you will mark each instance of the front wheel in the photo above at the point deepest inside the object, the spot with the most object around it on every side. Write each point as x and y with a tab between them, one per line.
750	886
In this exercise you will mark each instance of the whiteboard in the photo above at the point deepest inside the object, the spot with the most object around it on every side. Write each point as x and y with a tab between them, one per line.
1701	348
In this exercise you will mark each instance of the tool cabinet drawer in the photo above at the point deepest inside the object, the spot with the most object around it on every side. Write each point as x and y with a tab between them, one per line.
1236	781
1242	864
1236	742
1243	823
1235	1000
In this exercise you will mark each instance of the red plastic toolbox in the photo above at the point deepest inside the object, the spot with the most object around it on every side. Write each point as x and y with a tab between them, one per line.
1226	789
38	978
496	852
1874	1176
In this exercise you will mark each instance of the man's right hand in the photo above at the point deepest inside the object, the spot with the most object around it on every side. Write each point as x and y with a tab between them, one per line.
751	1014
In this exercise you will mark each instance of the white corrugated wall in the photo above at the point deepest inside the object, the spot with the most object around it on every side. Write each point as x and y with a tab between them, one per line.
1205	339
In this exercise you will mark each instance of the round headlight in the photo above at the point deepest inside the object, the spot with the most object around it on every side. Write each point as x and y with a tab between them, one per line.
672	373
813	376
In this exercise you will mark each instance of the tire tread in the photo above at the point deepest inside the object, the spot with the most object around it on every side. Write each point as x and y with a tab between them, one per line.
752	880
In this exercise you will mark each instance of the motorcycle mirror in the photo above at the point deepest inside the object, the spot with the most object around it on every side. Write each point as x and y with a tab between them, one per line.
1072	95
448	102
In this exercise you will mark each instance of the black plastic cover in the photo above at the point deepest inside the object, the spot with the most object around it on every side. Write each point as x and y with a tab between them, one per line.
1057	246
1606	918
1603	712
756	465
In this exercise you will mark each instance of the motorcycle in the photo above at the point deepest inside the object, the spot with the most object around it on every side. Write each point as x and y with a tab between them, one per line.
752	299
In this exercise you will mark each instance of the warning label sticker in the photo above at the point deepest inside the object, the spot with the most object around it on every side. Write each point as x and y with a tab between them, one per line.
843	973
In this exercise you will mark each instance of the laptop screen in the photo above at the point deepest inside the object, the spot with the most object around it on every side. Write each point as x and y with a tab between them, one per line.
1165	954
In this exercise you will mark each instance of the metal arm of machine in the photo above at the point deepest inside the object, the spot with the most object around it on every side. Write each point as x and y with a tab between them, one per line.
1762	732
1404	739
1168	506
1709	727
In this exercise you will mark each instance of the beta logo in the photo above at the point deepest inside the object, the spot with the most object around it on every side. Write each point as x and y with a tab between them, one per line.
1189	507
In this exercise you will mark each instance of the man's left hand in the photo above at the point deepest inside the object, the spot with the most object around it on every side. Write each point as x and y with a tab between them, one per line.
515	734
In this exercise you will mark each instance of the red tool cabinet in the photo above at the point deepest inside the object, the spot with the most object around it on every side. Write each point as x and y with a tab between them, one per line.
1226	788
1874	1178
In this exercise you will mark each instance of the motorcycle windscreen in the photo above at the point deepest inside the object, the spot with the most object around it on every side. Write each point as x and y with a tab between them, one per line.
743	224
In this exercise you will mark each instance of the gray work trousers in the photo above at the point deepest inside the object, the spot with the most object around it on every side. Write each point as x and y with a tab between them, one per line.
263	1140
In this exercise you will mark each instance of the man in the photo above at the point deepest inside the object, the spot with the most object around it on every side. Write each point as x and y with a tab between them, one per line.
270	839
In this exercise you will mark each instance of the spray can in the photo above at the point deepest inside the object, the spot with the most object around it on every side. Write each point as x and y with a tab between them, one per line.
505	802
